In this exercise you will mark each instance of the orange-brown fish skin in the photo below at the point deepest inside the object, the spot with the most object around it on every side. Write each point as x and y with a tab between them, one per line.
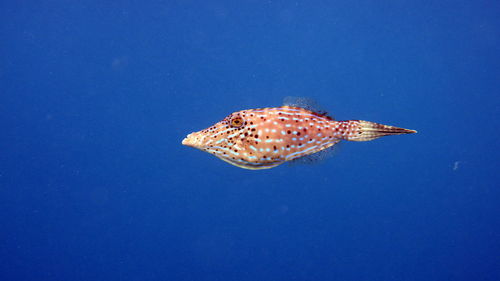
267	137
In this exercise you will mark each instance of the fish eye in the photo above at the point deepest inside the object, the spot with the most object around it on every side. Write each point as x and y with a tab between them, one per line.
236	122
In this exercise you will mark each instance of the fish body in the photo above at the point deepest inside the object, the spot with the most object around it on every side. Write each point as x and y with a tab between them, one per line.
267	137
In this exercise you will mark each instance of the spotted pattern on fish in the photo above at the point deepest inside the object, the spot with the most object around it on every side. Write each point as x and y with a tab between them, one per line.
267	137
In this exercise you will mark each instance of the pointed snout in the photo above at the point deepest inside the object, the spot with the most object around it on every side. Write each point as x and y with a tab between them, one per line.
188	140
193	140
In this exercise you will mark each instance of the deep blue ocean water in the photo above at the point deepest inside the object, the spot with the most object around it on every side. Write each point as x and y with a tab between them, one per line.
96	96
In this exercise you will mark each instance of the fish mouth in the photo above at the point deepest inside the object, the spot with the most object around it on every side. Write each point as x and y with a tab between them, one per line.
192	140
188	141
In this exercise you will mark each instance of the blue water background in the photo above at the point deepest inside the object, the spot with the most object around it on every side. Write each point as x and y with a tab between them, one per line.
96	96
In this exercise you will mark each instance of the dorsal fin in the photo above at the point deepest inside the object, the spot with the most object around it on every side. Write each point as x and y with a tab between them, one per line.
306	103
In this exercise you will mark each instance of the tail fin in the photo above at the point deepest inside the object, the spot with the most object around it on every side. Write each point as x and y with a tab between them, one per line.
367	131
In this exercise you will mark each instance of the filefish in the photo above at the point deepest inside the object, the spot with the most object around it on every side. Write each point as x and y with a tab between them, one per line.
264	138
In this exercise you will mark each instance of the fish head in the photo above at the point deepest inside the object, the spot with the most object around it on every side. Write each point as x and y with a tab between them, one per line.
234	140
218	138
